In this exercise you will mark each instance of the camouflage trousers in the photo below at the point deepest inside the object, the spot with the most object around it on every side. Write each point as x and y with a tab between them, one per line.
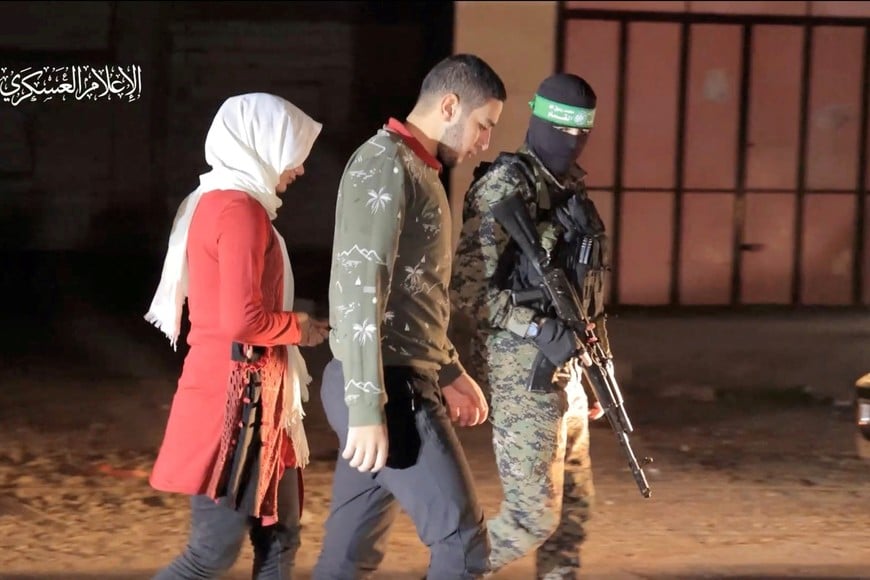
541	444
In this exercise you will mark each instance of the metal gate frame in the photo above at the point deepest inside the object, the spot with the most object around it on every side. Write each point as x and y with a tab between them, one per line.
747	22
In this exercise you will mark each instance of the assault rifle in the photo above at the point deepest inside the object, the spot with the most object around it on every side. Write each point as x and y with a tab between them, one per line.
513	215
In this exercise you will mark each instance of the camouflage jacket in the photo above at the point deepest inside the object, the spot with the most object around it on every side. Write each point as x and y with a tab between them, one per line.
475	293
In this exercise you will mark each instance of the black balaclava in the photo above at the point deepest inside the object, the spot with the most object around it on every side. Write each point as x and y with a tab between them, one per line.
555	148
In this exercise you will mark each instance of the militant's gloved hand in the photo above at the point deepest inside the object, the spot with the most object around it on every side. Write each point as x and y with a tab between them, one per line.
556	341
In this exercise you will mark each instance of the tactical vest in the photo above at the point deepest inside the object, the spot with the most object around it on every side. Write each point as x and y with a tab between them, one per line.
571	231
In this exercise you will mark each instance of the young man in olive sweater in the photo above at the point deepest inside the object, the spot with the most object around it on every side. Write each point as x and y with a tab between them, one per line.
396	381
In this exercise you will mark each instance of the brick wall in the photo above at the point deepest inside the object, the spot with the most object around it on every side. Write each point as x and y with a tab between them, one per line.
310	64
54	172
107	176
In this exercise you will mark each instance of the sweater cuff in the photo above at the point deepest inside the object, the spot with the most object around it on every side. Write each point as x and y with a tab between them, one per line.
449	373
364	415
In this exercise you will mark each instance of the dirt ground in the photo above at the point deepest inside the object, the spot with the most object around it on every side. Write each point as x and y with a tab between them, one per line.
747	417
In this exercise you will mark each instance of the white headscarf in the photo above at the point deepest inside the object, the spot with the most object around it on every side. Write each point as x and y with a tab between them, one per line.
252	140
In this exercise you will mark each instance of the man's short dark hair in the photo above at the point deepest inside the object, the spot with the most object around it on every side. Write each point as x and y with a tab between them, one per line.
467	75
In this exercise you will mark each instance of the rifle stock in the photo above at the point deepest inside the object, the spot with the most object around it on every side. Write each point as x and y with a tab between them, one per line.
512	214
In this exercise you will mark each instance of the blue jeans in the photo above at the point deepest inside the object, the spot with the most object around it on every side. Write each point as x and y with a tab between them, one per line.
217	532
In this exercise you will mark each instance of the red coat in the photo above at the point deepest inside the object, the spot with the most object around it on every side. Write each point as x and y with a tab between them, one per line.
235	293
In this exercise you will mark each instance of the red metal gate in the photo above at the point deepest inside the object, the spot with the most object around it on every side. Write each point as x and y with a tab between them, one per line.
730	154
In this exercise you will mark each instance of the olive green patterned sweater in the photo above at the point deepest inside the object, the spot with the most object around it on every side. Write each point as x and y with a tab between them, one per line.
391	266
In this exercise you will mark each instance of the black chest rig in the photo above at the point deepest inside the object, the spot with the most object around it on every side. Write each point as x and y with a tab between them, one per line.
571	231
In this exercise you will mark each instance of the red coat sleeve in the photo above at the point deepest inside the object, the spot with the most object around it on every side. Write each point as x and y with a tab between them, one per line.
243	237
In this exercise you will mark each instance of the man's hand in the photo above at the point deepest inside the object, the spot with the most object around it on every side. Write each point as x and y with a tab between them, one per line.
367	448
595	411
466	404
313	331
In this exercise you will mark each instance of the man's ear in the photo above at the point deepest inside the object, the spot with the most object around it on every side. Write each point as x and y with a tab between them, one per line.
449	107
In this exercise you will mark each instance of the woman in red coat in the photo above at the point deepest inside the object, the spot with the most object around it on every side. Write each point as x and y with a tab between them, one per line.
234	440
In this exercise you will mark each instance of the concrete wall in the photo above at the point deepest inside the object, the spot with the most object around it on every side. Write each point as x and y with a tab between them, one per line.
106	176
518	39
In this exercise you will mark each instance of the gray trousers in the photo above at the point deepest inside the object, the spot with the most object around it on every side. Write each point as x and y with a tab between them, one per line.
429	479
217	532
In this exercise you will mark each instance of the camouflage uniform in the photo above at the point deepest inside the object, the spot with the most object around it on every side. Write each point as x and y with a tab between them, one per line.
541	440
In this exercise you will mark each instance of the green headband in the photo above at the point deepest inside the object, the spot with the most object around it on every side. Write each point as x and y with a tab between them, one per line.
560	114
